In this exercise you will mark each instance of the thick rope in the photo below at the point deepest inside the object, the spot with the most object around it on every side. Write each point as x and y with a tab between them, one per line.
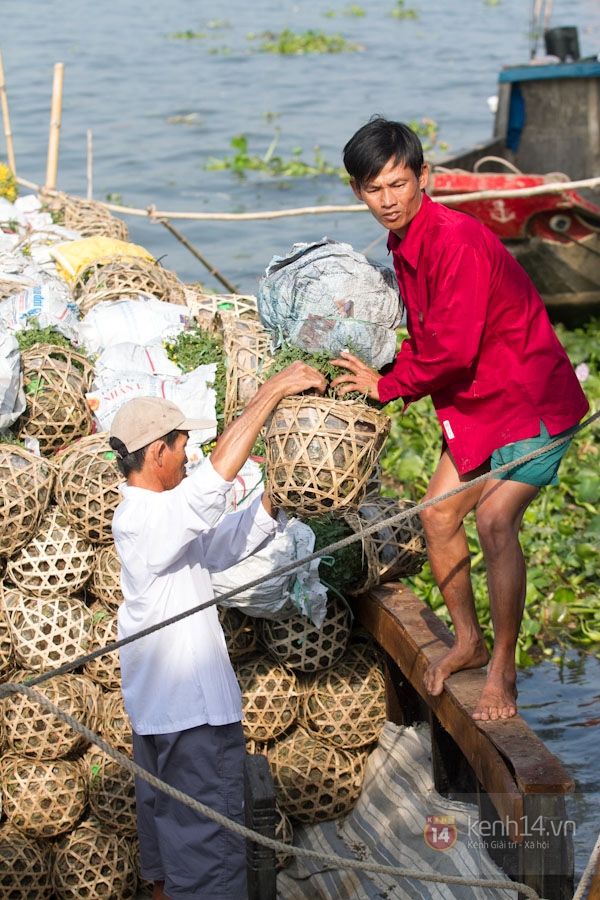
332	861
588	873
155	215
318	554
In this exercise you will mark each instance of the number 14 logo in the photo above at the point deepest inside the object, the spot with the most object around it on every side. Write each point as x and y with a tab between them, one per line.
440	832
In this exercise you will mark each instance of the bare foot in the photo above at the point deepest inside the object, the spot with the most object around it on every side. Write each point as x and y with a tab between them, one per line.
498	699
457	658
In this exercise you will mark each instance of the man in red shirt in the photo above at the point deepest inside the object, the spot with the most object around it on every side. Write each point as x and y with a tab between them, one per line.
482	346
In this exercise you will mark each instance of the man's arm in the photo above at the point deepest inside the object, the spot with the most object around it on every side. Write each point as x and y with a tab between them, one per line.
236	442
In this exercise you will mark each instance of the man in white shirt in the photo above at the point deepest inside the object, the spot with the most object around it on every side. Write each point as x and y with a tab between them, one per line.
179	687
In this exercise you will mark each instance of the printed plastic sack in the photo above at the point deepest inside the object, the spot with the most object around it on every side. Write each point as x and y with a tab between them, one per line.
12	397
74	256
50	304
190	391
147	359
326	296
280	596
142	320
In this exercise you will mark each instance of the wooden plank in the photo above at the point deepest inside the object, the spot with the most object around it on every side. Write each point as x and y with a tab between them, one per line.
260	816
506	755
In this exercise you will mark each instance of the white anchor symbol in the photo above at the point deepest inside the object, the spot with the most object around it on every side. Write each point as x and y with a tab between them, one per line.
499	212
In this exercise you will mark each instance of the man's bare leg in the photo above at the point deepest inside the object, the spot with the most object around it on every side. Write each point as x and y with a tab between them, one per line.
499	515
158	891
450	562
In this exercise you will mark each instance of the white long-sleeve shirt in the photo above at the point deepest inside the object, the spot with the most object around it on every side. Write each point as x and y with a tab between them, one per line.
168	542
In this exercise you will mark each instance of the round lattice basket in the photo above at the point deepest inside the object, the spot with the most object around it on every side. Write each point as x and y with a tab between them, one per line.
87	217
315	781
105	583
57	560
93	863
47	631
33	730
240	632
112	277
111	793
115	726
284	832
392	550
25	866
43	798
6	656
346	705
246	346
320	453
86	487
105	670
55	380
209	310
25	488
299	644
269	698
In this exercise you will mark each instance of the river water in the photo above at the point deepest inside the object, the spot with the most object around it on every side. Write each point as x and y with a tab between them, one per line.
159	107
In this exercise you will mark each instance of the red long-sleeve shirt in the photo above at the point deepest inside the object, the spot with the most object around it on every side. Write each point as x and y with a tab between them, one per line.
480	340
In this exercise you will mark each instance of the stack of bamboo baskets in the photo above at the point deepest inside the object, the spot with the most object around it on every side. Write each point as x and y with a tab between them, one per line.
314	698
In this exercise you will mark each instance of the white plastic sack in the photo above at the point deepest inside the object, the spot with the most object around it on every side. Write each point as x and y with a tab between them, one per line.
190	391
138	359
281	595
139	320
12	396
50	304
326	296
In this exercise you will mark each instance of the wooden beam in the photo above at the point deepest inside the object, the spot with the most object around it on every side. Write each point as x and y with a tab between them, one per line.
506	755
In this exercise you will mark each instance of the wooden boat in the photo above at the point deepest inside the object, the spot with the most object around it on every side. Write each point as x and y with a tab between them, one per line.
547	130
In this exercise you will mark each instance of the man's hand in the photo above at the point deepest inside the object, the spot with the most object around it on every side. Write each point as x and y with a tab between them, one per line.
360	376
296	378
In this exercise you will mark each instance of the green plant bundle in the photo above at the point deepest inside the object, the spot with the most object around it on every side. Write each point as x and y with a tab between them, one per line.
286	355
34	334
560	535
197	347
345	568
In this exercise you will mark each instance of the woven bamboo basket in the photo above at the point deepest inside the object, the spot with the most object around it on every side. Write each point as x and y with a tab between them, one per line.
105	670
47	632
209	309
346	706
25	866
393	550
112	277
240	632
269	698
87	217
55	380
302	646
111	793
86	486
6	656
321	452
115	726
25	488
93	863
43	798
246	346
106	577
57	560
314	781
284	832
34	731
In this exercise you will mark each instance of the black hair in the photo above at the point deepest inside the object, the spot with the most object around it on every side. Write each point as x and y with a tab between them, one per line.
133	462
380	140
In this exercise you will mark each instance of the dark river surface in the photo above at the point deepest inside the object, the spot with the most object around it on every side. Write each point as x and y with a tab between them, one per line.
159	107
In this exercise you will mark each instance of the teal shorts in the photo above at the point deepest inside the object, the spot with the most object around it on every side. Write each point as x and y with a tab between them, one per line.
541	470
